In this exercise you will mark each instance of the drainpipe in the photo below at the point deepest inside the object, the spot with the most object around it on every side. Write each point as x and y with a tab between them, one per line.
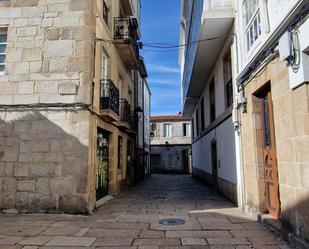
237	125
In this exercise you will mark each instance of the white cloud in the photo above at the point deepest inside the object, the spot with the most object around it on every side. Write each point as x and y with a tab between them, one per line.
155	81
162	68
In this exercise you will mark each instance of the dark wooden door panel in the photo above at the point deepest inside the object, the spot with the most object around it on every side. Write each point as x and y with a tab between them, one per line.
270	157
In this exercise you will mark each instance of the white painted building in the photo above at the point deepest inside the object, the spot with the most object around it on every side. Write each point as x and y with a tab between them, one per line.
245	86
207	90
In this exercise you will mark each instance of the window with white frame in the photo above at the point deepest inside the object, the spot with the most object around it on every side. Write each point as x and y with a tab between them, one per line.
3	44
253	27
104	66
167	130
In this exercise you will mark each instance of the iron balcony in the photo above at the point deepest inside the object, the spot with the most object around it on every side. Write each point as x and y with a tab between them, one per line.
126	36
109	96
125	112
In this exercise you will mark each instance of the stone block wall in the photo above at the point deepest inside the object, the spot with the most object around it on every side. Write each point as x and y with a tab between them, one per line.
177	133
49	51
44	164
291	118
44	161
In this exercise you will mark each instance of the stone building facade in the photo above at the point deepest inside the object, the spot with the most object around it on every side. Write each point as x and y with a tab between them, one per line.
66	102
274	119
170	144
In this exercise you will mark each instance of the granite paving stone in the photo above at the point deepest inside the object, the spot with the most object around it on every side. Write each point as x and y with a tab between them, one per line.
159	242
193	241
131	221
111	241
71	241
35	241
10	240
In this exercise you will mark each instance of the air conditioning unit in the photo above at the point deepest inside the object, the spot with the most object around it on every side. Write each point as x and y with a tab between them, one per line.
300	75
285	46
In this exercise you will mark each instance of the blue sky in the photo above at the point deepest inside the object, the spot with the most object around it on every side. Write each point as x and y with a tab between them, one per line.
161	23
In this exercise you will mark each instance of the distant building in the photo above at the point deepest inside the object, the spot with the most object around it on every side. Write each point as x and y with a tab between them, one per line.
142	110
171	144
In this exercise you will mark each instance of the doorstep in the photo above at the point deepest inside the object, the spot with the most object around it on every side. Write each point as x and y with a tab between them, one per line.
277	228
102	201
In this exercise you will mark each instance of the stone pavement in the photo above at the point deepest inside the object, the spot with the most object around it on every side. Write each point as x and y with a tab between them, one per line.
131	221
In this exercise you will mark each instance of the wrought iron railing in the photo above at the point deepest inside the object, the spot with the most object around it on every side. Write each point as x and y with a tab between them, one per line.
109	96
124	30
125	112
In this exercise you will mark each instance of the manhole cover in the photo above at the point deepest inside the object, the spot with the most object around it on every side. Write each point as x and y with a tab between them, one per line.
172	222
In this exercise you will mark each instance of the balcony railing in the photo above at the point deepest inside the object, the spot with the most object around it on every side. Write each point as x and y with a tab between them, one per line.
126	30
123	28
109	96
125	112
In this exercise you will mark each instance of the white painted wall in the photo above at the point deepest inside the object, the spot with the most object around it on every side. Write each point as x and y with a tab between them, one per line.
226	151
201	152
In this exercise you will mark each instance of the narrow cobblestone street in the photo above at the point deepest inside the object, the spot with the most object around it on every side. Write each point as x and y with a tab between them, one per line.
131	220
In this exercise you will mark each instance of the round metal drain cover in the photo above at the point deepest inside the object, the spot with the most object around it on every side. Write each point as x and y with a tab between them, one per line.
172	222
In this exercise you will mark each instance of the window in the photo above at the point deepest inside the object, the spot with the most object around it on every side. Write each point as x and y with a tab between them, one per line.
153	128
167	130
120	146
252	16
186	129
202	115
3	43
105	11
212	101
197	122
104	65
228	81
192	125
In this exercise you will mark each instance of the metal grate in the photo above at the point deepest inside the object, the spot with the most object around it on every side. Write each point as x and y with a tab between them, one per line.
172	222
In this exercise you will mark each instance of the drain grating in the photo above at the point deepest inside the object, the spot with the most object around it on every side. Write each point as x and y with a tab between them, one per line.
172	222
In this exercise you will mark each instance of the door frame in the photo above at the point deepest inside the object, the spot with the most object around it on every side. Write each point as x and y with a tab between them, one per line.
108	135
269	149
214	163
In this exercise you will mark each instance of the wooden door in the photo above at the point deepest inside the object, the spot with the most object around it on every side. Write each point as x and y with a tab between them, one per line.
270	156
214	163
102	164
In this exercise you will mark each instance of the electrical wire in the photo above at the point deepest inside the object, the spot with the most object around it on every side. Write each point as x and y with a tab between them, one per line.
170	47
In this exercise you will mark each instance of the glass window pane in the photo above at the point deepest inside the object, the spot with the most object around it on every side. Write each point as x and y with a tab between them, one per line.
2	49
2	58
3	38
2	67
